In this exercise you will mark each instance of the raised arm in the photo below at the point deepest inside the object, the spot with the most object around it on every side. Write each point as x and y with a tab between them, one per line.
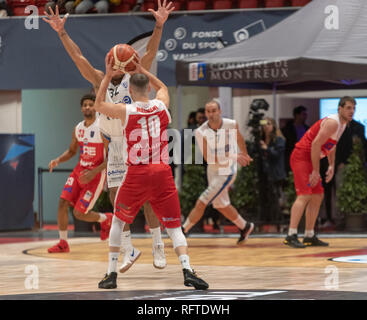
89	73
161	15
67	155
117	111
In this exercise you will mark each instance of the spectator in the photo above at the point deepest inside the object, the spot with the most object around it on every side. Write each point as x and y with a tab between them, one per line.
343	151
4	9
63	5
293	131
84	6
272	177
191	120
200	117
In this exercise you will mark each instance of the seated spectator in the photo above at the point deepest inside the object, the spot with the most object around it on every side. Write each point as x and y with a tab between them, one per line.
63	5
84	6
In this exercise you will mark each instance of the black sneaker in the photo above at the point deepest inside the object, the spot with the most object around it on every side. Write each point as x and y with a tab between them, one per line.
109	281
245	232
192	280
293	241
314	242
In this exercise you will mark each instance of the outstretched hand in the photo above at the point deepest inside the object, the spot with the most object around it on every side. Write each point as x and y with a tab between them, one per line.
55	21
161	15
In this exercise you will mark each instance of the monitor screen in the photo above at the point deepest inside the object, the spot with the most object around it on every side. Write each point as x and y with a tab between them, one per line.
330	106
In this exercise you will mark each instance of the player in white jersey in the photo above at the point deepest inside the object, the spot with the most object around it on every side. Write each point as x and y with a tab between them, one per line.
116	92
218	139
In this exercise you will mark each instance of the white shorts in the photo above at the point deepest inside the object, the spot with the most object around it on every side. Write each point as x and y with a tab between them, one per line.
115	164
217	191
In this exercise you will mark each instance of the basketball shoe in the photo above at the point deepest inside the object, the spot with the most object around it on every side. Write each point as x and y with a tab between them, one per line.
192	280
159	258
244	234
106	226
62	246
293	241
109	281
314	242
129	259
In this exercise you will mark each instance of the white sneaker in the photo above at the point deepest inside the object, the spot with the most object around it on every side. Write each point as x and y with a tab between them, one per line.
129	259
159	259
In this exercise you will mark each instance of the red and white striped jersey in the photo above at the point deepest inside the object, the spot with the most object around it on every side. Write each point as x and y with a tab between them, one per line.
145	129
92	151
306	141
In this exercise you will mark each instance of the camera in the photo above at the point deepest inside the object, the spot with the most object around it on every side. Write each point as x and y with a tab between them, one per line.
256	117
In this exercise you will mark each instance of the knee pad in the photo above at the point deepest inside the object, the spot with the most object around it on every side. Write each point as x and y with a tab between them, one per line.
177	237
116	232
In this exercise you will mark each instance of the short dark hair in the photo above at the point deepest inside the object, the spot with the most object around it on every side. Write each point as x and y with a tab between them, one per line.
88	96
346	99
201	110
299	110
140	81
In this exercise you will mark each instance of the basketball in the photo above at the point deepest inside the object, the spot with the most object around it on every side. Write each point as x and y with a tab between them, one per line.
123	55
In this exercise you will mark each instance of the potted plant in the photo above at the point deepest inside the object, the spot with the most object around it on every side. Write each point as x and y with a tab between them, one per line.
352	193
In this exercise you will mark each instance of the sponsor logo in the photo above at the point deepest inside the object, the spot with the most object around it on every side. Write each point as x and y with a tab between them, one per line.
88	195
197	71
115	172
90	151
150	110
127	100
68	189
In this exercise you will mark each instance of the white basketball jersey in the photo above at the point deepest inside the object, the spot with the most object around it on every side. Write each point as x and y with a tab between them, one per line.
115	94
220	143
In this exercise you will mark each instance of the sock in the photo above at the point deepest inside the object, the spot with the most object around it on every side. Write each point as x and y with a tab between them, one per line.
113	258
309	233
187	225
126	241
185	261
240	222
102	217
156	235
292	231
63	234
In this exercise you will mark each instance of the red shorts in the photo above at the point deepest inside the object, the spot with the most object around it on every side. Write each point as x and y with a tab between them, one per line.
153	183
83	196
302	168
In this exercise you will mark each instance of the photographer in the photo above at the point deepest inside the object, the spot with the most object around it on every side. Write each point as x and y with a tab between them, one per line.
272	177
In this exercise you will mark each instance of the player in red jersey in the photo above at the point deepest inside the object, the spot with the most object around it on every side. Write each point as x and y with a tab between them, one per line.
318	142
149	176
86	182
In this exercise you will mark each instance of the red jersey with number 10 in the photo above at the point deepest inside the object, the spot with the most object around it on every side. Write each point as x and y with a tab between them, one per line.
146	132
305	143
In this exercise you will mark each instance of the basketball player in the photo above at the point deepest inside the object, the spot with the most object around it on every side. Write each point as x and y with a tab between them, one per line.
149	176
318	142
118	92
85	183
216	138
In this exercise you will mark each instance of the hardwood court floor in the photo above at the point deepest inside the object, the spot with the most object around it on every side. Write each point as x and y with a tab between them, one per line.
263	263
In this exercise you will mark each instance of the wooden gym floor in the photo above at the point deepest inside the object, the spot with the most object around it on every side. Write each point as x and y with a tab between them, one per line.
263	268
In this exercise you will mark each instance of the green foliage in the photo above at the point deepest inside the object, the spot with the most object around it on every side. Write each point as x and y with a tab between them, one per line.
352	194
103	203
194	183
244	193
